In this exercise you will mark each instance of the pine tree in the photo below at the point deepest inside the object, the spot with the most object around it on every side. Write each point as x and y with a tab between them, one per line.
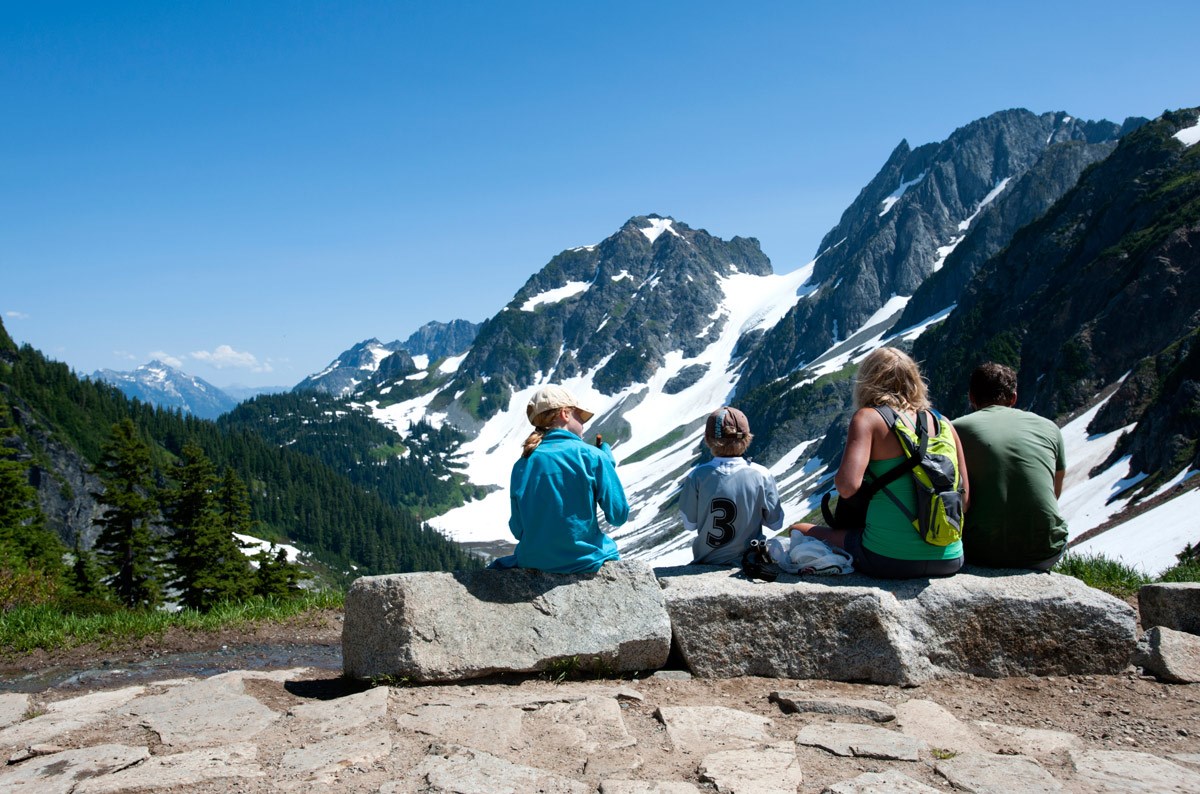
86	578
126	545
208	565
276	577
31	556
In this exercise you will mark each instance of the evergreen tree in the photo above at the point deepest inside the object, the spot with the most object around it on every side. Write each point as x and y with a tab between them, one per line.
86	577
126	545
276	577
31	556
234	503
208	566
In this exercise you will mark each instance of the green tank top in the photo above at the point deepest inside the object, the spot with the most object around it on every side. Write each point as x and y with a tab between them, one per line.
889	532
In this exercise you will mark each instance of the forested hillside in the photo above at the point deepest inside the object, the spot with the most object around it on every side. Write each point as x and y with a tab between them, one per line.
63	421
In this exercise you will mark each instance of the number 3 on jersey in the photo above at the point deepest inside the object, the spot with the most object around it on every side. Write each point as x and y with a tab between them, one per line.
724	513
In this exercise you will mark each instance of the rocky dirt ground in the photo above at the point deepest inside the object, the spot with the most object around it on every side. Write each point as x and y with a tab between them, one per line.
309	729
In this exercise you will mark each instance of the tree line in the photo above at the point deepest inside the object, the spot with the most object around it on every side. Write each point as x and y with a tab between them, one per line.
290	494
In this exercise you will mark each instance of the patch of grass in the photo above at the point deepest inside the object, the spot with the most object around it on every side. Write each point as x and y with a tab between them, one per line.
670	438
1182	572
942	755
51	627
390	680
1098	571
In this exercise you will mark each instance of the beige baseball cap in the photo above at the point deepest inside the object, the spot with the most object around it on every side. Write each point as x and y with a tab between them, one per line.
548	398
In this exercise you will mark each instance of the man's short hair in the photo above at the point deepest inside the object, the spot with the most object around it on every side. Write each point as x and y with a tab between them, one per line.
993	384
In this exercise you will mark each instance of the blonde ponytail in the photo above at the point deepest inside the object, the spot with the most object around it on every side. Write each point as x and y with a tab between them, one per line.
541	426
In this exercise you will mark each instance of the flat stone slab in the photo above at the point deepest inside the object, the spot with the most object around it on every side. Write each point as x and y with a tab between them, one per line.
589	726
331	755
769	770
12	708
854	628
65	716
985	773
863	741
1173	605
345	713
647	787
927	720
1173	656
482	727
1037	742
431	627
1122	772
206	713
802	702
889	782
181	769
460	770
61	772
705	729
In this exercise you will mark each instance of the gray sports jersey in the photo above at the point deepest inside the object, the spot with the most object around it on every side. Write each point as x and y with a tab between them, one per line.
727	501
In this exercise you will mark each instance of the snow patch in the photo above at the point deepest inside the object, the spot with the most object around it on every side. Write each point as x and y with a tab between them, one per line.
422	361
568	290
1189	136
657	227
624	274
897	193
1150	542
988	199
451	363
252	546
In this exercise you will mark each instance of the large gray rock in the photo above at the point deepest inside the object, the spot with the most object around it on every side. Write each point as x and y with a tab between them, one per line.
895	632
1174	605
452	626
1173	656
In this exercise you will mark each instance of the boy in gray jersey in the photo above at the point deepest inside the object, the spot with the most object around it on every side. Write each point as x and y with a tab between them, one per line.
728	500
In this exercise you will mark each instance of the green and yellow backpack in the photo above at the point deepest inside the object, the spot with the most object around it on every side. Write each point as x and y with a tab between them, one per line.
936	478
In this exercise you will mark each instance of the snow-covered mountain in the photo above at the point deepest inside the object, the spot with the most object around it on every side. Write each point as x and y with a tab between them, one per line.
372	359
164	386
658	324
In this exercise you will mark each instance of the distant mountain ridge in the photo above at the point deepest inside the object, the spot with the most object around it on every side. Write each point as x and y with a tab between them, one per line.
165	386
372	360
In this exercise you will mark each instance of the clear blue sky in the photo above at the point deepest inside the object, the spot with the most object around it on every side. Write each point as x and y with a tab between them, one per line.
253	187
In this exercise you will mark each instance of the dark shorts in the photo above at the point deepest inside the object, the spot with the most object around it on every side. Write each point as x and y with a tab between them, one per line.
881	567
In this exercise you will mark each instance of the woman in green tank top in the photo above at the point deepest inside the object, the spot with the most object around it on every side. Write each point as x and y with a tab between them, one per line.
887	546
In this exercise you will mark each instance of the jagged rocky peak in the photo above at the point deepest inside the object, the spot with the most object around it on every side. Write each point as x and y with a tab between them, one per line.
437	340
908	219
375	360
616	307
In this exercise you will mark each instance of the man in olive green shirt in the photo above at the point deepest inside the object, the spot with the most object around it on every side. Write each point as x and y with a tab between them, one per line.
1016	463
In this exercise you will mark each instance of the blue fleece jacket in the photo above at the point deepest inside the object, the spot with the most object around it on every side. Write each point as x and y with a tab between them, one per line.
554	493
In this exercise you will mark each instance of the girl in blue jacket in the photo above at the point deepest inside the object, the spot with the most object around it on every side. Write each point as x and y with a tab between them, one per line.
555	488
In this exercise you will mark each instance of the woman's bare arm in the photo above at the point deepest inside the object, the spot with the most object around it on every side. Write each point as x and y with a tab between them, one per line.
858	452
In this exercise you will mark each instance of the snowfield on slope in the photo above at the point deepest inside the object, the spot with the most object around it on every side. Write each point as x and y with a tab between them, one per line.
749	302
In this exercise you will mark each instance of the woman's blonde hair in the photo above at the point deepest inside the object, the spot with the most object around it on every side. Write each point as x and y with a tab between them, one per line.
890	377
541	426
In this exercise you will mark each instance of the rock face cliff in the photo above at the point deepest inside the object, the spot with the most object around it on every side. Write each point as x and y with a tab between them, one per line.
919	207
1106	281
